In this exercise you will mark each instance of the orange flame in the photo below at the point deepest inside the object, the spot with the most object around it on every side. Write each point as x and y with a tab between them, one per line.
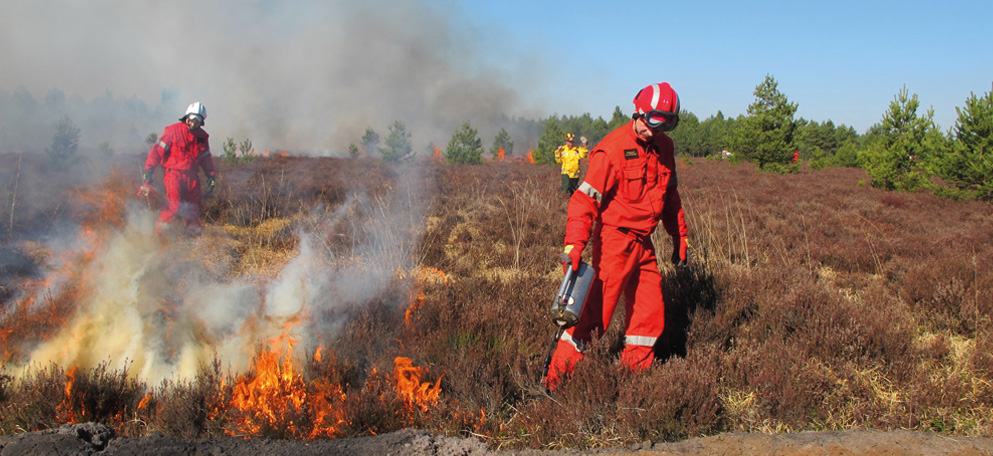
424	275
46	305
65	410
531	156
415	304
409	386
437	157
276	398
501	155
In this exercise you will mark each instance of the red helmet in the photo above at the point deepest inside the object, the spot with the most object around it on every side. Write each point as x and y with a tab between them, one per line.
659	105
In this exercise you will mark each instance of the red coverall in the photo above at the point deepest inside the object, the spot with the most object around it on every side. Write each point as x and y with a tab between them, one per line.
629	187
182	153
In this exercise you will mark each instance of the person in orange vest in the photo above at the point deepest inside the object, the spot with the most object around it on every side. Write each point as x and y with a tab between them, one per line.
182	150
629	188
569	155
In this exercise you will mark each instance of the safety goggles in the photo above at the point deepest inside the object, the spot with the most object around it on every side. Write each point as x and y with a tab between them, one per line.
661	120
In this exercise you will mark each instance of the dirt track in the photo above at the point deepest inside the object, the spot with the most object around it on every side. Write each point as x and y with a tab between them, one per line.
95	439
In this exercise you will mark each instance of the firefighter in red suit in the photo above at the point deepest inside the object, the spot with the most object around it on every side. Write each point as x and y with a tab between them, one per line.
182	150
630	186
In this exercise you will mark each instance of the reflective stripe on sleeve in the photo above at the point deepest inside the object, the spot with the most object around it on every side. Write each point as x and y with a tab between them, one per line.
590	191
203	154
640	340
163	145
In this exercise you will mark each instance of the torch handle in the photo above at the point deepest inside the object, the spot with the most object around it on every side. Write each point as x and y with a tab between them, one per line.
551	350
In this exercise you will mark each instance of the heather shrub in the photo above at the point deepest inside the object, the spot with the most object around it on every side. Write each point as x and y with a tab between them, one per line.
192	409
675	400
583	413
811	303
45	398
33	401
101	395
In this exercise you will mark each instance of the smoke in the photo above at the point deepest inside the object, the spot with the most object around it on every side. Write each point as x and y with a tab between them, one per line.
164	306
297	75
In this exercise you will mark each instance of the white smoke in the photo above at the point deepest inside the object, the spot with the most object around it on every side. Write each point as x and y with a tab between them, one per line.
295	74
154	305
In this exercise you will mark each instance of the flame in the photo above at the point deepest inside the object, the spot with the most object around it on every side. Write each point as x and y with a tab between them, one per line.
501	155
45	306
65	410
415	304
410	389
531	156
143	404
424	275
437	157
275	397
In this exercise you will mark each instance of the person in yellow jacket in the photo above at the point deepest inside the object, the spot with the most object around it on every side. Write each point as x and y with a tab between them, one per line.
569	155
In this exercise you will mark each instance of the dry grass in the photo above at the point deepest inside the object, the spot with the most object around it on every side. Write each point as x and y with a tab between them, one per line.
813	303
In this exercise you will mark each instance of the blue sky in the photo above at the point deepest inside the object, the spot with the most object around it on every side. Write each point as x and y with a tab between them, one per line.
843	60
315	74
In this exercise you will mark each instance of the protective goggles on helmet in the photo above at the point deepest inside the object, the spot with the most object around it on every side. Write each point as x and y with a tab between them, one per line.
661	120
194	117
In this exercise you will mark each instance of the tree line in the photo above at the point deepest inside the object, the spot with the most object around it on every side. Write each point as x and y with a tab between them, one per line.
906	150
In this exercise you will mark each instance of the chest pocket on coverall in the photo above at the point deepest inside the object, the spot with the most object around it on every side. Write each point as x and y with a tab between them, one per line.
633	181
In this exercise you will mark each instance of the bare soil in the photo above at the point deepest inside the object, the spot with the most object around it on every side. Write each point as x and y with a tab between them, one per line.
97	439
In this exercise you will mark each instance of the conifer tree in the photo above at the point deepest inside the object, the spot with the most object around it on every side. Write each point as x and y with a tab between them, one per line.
766	135
65	141
969	165
617	119
552	136
370	140
397	145
502	141
901	147
465	146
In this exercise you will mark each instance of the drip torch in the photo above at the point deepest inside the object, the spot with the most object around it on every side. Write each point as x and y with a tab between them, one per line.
568	305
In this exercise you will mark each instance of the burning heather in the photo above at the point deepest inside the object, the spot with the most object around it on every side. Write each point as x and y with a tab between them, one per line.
333	298
130	297
117	296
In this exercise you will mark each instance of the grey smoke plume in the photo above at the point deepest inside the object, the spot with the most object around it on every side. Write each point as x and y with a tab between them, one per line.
295	74
158	309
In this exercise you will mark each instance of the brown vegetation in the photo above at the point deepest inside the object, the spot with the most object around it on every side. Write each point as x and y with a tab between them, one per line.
813	302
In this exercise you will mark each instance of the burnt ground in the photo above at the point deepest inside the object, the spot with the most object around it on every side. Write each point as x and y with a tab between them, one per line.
96	439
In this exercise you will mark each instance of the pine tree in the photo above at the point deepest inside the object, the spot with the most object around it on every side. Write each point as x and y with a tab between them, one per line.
370	140
502	141
397	145
901	147
618	119
552	136
969	166
65	141
766	134
465	146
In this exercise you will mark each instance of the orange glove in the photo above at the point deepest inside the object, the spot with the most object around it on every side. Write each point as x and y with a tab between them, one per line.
680	251
571	256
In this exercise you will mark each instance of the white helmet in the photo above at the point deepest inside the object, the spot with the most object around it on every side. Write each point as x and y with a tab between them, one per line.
195	109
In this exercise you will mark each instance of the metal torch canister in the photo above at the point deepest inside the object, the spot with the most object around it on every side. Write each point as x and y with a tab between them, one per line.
572	295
